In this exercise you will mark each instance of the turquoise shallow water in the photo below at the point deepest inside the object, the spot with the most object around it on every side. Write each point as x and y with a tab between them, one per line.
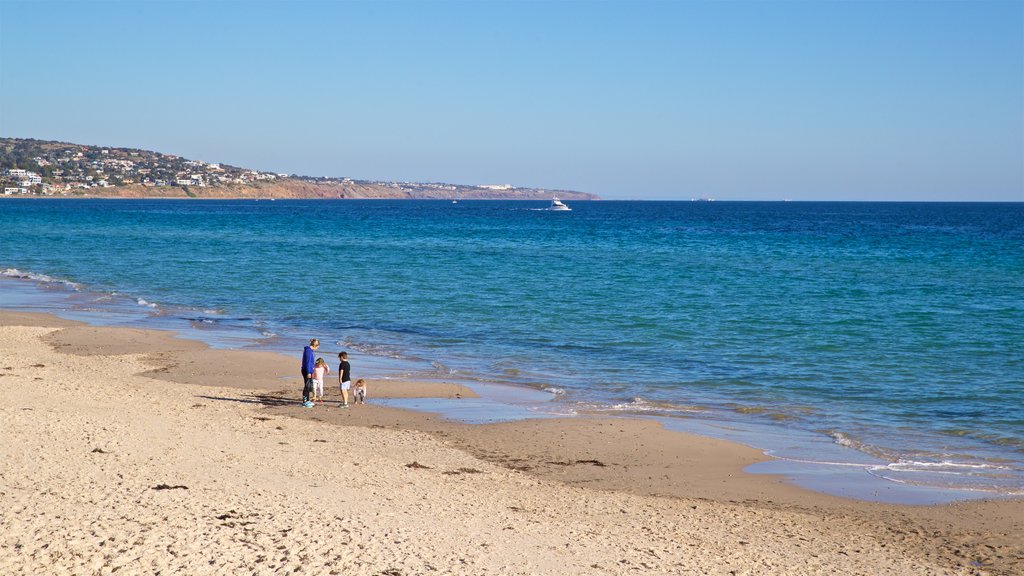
895	330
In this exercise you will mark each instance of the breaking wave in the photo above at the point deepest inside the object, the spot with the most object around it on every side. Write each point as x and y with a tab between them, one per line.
15	273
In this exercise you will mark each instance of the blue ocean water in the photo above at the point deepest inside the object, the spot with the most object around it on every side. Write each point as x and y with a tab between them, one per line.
893	329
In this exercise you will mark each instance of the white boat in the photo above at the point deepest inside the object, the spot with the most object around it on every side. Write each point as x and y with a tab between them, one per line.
557	204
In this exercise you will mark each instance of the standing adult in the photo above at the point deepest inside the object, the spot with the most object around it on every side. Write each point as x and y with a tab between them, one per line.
344	377
308	365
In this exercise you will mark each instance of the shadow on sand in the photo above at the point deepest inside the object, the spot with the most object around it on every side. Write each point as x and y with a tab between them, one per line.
264	399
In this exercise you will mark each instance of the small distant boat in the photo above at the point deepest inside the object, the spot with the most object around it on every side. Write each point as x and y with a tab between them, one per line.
557	204
455	201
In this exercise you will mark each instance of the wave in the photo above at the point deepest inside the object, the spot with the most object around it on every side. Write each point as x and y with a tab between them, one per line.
374	349
846	441
640	405
203	319
942	467
1002	484
940	472
964	477
441	368
768	412
15	273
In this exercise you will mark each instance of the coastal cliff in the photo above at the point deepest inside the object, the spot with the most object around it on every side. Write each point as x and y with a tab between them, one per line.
285	188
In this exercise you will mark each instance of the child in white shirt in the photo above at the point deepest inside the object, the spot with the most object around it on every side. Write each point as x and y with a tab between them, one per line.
319	371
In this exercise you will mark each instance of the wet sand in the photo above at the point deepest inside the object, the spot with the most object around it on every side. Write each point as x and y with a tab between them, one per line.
116	414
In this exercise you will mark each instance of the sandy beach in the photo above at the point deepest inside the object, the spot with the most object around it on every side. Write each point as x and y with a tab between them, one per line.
133	452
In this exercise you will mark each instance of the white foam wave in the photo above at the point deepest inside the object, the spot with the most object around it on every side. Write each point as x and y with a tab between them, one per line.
15	273
372	349
940	472
847	442
905	465
880	472
641	405
925	474
939	467
143	302
818	462
844	440
664	406
442	368
562	410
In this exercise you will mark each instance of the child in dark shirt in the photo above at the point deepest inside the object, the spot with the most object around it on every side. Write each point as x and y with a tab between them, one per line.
344	377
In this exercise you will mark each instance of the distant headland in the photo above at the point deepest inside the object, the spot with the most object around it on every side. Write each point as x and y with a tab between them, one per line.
31	167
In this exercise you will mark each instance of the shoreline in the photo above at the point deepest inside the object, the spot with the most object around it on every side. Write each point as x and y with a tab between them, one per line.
257	198
812	461
630	456
441	199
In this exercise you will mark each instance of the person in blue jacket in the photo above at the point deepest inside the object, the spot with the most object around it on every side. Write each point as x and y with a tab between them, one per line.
308	364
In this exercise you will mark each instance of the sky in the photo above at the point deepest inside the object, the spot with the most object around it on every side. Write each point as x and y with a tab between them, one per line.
771	100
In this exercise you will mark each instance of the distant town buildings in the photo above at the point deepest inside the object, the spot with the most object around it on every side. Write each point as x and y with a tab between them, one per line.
21	181
52	168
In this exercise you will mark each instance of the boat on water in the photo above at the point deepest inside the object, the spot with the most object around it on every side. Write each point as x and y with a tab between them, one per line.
557	204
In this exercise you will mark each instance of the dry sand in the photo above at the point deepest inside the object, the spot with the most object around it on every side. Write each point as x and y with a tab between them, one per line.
134	452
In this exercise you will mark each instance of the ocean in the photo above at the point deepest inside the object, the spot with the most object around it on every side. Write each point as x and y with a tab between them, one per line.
893	333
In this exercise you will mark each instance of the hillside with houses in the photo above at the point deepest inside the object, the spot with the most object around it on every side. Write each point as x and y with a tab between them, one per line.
31	167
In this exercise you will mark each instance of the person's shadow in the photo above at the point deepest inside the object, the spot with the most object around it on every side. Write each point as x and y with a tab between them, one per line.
264	399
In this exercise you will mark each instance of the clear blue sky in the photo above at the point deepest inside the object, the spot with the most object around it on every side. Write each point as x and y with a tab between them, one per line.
734	100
